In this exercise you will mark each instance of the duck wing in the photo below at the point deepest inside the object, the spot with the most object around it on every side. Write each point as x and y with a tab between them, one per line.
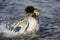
23	24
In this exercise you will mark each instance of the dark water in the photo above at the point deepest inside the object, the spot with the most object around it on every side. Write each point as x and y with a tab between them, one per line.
49	17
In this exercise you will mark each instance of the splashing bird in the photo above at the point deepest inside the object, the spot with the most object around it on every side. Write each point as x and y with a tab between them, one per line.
30	25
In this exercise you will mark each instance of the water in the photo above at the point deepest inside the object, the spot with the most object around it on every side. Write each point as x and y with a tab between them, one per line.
13	10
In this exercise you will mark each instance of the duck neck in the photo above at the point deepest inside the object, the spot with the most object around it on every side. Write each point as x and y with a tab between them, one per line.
33	15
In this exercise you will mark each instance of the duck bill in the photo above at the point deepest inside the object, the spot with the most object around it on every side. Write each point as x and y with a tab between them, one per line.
36	12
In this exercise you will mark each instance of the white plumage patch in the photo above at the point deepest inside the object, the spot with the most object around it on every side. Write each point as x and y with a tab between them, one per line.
33	24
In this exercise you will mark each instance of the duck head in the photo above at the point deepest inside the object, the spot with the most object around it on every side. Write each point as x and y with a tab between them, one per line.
31	12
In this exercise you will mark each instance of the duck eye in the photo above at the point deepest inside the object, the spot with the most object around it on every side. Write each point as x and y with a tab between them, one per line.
17	28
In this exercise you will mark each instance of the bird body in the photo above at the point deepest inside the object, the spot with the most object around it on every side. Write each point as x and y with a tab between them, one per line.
29	22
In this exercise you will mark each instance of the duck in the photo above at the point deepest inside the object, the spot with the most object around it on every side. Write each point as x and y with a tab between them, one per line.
29	25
